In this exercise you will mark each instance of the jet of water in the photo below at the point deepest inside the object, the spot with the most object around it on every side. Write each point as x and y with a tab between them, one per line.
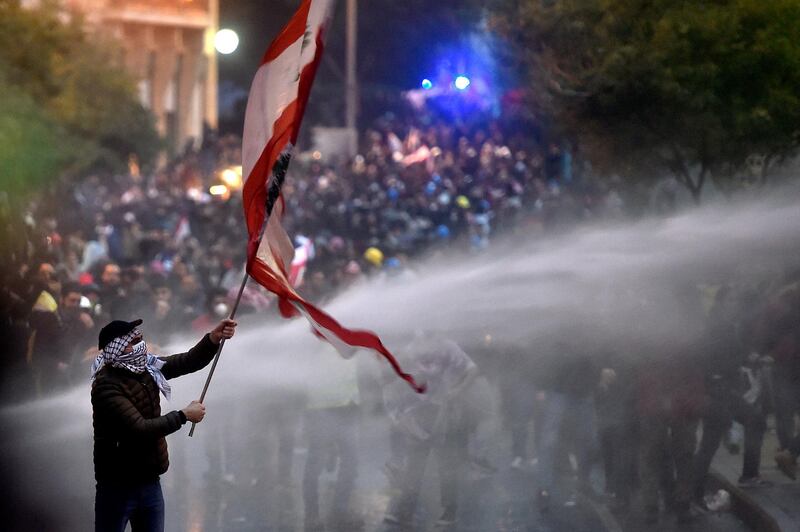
623	284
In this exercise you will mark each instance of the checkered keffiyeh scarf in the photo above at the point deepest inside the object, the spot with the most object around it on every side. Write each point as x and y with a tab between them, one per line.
114	355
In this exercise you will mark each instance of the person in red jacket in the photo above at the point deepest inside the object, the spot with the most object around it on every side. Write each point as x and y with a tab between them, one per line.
130	449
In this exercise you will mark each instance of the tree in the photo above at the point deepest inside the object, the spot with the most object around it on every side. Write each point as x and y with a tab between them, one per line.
692	86
33	147
66	106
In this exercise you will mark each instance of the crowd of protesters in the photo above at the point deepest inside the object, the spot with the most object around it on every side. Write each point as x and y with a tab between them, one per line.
650	419
634	426
637	414
158	245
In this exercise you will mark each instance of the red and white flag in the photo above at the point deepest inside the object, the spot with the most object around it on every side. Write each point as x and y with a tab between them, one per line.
303	253
275	106
182	230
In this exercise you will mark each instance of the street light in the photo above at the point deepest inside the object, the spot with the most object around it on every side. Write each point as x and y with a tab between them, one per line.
226	41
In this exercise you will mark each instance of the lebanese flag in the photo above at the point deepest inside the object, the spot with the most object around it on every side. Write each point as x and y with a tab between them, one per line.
182	231
303	253
275	106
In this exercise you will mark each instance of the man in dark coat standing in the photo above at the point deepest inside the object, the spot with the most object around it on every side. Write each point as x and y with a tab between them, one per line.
130	449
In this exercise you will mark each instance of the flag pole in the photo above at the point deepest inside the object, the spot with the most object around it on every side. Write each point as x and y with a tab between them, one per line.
273	192
221	344
281	164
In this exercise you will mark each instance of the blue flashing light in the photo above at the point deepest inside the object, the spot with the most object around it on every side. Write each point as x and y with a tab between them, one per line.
427	84
461	82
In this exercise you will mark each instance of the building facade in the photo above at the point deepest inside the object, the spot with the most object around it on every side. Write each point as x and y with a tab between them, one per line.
168	46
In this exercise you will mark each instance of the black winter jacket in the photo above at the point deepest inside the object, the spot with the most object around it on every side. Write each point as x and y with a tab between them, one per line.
129	430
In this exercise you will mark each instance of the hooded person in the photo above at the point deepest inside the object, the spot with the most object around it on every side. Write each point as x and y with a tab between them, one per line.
130	449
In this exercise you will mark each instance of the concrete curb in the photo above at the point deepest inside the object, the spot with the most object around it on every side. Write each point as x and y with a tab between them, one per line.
744	506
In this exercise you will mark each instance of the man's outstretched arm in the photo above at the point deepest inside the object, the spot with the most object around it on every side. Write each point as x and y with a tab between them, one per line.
201	354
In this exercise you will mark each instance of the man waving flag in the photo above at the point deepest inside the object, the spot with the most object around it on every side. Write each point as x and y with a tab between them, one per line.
275	107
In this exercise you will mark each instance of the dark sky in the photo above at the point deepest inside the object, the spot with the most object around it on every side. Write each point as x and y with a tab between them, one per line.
256	22
397	44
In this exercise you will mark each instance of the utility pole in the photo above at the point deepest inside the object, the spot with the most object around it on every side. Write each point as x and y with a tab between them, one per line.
212	79
351	86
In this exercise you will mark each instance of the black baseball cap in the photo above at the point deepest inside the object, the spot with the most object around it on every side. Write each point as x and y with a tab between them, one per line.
115	329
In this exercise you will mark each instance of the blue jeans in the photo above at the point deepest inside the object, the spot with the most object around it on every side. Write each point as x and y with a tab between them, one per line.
141	504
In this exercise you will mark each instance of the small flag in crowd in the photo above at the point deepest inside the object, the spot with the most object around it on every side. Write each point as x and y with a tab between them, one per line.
275	107
182	230
303	253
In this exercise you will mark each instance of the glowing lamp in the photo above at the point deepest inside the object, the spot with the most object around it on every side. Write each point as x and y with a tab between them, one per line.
232	177
226	41
427	84
461	82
